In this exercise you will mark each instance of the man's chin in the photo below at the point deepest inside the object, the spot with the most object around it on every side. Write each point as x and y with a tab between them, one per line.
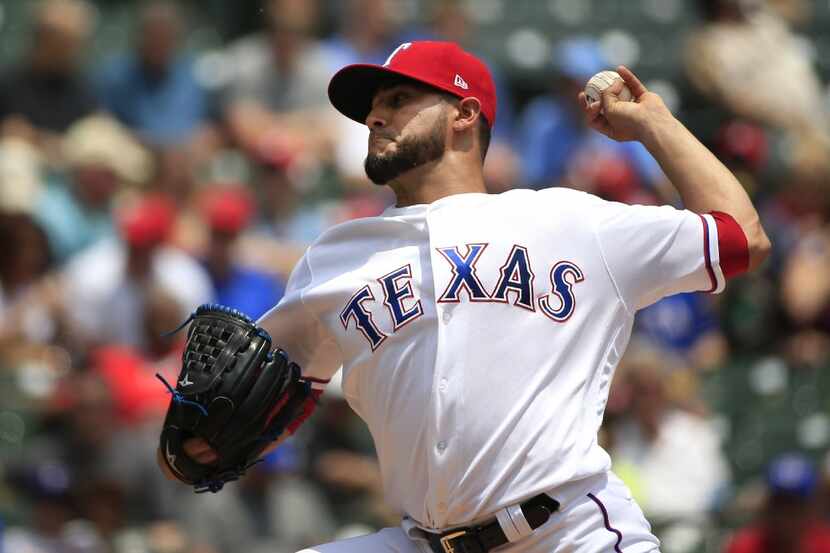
377	182
383	151
382	178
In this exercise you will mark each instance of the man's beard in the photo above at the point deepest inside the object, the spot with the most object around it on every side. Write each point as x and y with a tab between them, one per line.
412	152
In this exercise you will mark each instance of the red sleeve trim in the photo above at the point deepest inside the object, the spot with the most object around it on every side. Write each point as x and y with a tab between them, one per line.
317	380
309	406
733	247
707	257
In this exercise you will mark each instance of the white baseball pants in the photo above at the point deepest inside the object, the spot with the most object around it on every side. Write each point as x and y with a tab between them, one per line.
603	518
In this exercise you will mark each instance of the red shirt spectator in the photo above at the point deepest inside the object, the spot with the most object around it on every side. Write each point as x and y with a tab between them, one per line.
788	522
811	538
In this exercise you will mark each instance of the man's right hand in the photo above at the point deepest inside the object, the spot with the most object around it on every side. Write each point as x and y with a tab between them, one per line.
624	121
200	451
196	448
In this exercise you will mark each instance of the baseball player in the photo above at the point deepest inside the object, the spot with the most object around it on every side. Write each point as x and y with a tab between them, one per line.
477	333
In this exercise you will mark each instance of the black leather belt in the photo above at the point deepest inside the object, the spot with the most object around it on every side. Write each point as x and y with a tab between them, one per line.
487	536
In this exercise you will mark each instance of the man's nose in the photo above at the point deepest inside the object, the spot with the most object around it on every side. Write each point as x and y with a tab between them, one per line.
374	120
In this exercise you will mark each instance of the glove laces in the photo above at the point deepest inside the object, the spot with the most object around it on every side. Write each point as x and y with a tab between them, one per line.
208	307
217	482
179	398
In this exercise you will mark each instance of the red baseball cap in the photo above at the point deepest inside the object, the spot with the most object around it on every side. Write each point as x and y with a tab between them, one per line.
147	222
441	65
227	209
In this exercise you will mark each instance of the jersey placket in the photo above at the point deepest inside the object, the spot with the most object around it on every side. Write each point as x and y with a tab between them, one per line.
444	424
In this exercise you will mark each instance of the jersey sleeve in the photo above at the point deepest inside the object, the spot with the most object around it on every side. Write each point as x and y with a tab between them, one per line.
653	252
295	328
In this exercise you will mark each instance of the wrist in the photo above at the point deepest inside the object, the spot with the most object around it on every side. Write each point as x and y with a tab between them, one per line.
658	129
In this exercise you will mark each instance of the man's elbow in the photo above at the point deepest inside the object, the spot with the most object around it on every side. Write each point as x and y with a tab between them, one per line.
758	245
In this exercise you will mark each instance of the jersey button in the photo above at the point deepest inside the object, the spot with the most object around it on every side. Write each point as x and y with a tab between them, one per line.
446	316
441	446
443	385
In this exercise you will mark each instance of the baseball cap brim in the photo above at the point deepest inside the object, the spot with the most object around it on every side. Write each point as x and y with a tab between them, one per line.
352	89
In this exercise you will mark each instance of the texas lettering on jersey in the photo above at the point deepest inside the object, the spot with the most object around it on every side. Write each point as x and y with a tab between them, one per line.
516	282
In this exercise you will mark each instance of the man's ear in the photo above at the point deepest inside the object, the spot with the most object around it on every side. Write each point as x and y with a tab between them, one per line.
469	111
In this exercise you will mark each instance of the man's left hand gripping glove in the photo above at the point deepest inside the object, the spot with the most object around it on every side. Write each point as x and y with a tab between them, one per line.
233	392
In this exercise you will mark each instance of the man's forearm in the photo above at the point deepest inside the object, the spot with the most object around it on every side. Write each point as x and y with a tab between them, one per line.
704	183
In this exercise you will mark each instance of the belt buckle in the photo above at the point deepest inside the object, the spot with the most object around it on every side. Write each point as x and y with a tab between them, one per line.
445	540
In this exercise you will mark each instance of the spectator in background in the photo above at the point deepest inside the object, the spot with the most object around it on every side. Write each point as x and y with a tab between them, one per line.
75	209
279	197
805	296
84	440
745	58
669	455
278	82
344	461
686	326
450	20
139	397
557	148
824	490
788	521
30	303
109	282
274	509
21	167
367	32
293	209
43	488
154	90
45	93
227	212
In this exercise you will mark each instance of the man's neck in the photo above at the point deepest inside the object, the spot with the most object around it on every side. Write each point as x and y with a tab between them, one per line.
434	181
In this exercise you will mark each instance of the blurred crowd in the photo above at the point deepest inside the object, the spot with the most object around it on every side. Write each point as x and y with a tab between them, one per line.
138	187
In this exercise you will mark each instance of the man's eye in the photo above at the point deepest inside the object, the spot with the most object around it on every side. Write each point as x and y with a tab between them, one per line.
398	99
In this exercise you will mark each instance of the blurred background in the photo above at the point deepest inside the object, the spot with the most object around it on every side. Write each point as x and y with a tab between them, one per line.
158	155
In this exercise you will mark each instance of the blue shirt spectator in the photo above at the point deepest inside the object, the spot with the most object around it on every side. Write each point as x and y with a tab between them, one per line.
550	135
154	90
227	212
676	323
162	108
551	132
74	207
70	225
251	291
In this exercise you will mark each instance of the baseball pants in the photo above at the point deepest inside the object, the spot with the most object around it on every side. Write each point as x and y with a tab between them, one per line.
603	518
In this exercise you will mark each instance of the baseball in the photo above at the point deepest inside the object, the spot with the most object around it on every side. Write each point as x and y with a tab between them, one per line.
601	81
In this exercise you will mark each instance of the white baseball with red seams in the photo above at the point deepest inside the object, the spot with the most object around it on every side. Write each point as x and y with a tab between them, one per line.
478	337
601	81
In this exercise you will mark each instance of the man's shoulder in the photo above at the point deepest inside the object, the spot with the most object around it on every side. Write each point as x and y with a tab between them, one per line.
352	229
560	196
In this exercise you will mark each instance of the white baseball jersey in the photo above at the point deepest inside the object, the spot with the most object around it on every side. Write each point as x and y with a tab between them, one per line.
479	334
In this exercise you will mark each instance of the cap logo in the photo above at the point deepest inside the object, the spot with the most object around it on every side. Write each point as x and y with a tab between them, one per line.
460	83
403	46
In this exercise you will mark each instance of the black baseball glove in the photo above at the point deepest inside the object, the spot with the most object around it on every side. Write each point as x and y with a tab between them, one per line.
234	392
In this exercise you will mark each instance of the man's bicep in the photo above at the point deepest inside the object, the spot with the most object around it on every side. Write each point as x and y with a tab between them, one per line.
653	252
308	343
294	327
